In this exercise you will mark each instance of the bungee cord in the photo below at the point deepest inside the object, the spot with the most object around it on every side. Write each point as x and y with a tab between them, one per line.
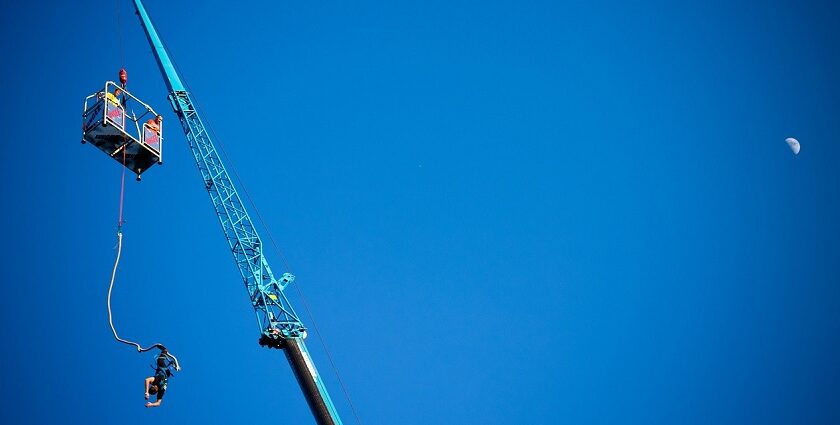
120	222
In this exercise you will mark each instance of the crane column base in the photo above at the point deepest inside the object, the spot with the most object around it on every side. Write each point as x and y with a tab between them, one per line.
310	382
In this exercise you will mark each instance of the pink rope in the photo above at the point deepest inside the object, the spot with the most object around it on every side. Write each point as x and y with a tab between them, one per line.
122	195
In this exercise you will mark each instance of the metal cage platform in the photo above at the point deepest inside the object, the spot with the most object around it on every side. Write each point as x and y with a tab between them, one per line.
126	138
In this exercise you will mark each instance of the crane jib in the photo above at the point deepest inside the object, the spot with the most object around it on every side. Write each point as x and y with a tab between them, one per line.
278	323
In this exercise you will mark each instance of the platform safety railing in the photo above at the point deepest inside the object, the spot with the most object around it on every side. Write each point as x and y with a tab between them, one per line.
123	116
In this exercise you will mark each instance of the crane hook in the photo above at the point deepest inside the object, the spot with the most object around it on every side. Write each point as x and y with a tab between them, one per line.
123	77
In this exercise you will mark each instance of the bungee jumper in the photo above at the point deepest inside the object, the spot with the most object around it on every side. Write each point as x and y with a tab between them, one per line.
156	384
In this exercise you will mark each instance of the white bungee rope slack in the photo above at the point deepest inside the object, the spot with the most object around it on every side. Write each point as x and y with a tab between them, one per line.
110	290
140	348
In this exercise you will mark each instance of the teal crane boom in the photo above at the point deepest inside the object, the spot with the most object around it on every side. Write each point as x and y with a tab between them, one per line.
279	325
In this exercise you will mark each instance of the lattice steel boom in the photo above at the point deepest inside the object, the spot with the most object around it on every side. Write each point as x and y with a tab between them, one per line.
279	325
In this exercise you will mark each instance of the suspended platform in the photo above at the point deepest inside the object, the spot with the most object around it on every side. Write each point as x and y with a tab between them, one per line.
132	140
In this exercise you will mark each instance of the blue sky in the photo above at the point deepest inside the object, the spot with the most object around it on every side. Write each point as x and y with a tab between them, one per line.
499	212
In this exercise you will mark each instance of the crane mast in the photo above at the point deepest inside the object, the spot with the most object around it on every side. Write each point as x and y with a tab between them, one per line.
279	325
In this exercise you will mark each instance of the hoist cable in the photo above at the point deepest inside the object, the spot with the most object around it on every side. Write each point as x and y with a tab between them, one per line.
119	33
